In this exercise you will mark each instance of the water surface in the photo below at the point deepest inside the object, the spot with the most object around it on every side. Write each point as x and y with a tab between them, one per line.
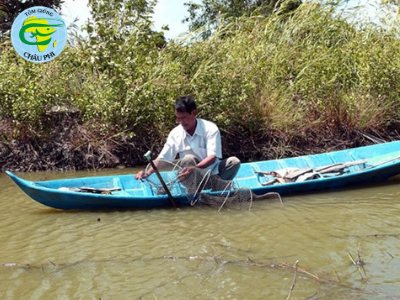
202	253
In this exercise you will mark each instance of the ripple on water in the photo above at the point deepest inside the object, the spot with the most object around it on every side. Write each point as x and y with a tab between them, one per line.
201	253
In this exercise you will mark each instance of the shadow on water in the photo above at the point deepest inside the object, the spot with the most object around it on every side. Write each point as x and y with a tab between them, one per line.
47	210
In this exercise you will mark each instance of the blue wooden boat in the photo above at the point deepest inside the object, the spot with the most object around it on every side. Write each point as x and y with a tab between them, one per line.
344	168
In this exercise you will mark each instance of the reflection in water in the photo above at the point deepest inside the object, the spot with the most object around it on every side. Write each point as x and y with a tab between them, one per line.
201	253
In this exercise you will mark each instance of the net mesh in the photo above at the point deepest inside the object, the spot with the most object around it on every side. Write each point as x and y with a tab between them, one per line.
202	187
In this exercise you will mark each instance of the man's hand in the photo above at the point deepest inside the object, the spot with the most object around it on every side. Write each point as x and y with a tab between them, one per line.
185	173
141	175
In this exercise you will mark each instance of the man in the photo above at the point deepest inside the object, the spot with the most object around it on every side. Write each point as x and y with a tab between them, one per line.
195	140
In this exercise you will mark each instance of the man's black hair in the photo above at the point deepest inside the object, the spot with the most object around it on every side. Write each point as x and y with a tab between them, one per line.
185	104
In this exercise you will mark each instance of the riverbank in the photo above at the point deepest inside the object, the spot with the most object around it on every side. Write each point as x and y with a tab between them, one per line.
282	86
68	144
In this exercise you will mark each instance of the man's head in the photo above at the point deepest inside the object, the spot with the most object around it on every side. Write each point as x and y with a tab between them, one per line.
185	104
186	112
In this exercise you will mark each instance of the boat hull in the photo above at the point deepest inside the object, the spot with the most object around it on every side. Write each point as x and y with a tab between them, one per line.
378	163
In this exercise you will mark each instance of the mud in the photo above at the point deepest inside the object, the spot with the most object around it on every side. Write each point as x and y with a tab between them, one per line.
65	143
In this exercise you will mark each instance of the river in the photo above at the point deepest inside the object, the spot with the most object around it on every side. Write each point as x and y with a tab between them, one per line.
305	249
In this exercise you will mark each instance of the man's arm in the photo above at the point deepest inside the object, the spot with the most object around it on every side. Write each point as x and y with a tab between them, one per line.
168	152
144	174
208	161
214	151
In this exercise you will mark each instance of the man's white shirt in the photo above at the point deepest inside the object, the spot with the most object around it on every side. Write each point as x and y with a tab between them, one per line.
205	141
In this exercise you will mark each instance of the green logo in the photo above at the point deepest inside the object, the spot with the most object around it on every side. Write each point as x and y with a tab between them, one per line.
39	34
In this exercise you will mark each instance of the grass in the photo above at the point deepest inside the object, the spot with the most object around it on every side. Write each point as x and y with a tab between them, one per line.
288	74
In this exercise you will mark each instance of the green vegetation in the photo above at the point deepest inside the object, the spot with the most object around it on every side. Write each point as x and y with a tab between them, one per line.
207	15
288	73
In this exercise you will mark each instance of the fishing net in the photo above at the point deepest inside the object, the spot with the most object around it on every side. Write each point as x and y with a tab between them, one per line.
202	187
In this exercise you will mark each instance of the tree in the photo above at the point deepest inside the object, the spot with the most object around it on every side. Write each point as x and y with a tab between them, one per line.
10	9
395	3
208	13
121	26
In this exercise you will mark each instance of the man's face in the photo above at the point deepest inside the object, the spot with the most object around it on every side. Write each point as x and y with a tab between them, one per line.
188	121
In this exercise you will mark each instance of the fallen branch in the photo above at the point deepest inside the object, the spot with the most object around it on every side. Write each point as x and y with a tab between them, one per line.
219	261
294	280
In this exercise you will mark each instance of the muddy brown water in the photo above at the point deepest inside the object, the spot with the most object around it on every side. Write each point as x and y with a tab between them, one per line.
301	250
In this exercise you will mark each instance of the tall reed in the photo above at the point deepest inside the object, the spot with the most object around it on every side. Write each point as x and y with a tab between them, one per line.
313	68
